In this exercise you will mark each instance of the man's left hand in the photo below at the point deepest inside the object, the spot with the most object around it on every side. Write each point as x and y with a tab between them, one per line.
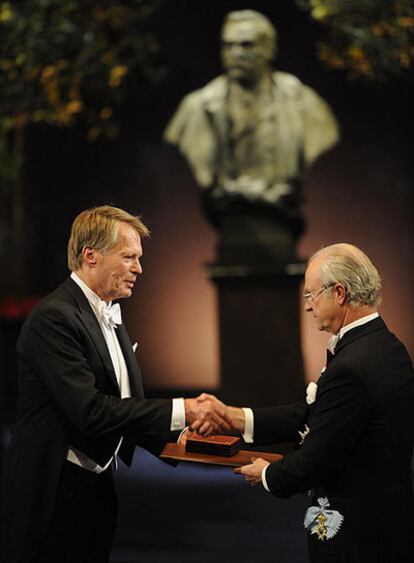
253	471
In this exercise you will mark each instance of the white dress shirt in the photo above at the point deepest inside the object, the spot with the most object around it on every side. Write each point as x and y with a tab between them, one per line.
121	372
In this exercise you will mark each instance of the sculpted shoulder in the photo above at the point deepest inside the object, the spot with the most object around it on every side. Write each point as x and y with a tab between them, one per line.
192	106
288	83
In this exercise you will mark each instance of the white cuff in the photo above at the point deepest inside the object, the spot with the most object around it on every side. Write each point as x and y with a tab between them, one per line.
183	431
178	414
264	479
248	425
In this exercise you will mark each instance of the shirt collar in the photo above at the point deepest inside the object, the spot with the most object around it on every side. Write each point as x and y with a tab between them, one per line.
335	338
95	301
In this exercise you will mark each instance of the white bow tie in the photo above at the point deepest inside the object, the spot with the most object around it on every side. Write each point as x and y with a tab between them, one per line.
111	315
332	342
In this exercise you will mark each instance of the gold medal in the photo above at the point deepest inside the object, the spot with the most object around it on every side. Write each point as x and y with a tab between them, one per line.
321	529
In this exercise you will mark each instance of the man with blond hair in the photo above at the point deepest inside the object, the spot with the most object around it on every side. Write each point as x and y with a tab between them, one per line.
81	402
355	431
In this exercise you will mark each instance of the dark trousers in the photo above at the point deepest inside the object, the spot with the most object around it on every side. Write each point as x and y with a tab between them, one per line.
84	518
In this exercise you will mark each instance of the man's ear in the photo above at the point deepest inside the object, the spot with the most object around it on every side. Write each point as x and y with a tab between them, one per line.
89	256
340	293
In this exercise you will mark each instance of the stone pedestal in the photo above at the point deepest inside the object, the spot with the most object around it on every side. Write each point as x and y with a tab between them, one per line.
260	345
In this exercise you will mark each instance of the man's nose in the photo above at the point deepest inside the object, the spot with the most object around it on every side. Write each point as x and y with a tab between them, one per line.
236	49
136	267
308	306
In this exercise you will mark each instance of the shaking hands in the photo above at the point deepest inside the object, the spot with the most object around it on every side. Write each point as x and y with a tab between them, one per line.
208	415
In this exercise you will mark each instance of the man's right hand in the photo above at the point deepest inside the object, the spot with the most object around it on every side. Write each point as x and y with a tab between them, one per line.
237	418
207	415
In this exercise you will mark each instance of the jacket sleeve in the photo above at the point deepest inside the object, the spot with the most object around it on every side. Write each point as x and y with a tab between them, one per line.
279	424
337	421
54	352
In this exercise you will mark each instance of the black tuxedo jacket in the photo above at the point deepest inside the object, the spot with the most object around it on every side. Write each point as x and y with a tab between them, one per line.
359	448
67	396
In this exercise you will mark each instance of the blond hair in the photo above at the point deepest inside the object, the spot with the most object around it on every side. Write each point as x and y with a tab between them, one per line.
98	228
346	264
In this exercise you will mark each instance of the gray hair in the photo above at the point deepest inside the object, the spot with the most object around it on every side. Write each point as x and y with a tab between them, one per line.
346	264
264	25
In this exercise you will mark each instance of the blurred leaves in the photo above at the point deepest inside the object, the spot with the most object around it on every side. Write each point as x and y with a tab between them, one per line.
369	39
60	61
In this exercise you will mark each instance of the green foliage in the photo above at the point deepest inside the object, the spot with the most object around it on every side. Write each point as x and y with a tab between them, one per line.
370	39
61	60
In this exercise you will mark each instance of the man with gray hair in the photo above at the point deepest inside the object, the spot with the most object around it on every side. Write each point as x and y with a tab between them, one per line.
355	431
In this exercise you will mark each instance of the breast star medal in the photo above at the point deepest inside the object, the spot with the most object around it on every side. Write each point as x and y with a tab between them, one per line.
322	520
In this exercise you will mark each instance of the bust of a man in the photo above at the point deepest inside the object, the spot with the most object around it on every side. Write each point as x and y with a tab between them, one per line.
250	135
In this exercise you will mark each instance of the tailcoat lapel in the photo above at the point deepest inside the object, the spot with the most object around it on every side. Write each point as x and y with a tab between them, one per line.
134	373
88	319
214	102
348	338
358	332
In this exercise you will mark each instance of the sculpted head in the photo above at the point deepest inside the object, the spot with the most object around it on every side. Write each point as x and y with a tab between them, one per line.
248	45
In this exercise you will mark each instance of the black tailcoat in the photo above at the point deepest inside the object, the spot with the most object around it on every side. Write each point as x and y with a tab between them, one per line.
68	395
358	450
